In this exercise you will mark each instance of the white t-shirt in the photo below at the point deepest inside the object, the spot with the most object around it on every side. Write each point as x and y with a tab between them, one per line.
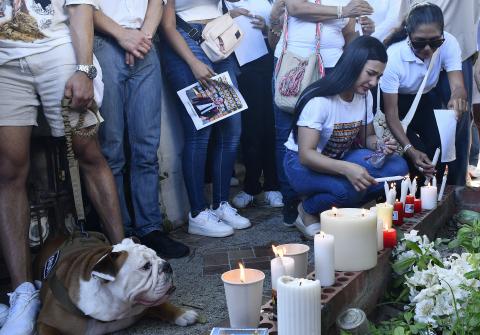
301	38
127	13
51	18
387	16
195	10
337	120
404	72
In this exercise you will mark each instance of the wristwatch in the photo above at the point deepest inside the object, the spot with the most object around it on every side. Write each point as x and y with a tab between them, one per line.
89	70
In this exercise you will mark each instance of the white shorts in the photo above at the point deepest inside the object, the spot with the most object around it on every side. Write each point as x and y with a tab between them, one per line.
40	79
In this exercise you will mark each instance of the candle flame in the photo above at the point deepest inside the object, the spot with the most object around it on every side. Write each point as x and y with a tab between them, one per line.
279	252
242	272
335	211
392	185
429	185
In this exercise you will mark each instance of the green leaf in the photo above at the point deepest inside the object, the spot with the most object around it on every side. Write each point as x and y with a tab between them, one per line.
399	331
413	246
403	265
408	316
472	274
454	244
476	242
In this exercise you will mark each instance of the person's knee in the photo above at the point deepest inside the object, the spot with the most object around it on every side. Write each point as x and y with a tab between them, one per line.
397	166
87	150
13	170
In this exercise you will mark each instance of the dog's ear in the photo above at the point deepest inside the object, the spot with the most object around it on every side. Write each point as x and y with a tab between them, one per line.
108	265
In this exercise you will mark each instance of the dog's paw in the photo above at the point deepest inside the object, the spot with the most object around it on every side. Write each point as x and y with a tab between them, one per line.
189	317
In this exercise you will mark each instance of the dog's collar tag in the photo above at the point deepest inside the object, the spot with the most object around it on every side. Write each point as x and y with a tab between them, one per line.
50	264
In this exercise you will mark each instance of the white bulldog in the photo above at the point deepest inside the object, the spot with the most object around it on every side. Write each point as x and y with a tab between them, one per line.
92	288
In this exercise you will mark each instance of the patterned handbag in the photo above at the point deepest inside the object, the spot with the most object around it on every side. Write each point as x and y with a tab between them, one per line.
294	73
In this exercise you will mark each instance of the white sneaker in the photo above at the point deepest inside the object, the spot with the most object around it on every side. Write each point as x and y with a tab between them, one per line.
274	199
229	215
3	314
208	224
474	171
24	308
242	200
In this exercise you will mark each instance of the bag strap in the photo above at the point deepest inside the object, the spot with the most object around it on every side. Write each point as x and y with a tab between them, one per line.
194	33
411	112
72	161
318	30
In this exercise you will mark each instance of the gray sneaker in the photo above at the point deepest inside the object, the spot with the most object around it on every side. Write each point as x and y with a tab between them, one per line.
24	308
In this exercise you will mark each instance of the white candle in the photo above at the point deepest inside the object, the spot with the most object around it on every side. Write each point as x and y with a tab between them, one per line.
387	189
434	163
379	234
299	307
243	292
428	194
444	182
355	233
299	253
392	178
280	266
385	214
392	195
404	190
324	259
413	187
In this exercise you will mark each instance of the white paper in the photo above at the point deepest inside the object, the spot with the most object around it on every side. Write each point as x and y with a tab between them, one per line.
447	125
252	46
208	106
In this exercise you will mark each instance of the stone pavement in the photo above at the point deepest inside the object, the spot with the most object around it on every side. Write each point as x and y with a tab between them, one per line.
197	277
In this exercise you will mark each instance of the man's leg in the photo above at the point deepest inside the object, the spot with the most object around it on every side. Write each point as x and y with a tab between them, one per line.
14	209
100	185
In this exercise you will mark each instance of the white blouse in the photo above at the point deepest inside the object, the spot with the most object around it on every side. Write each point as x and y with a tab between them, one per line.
195	10
404	72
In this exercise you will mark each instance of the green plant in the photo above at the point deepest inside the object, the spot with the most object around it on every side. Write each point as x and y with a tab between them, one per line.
468	237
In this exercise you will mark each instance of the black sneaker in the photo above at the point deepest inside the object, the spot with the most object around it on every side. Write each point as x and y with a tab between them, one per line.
164	246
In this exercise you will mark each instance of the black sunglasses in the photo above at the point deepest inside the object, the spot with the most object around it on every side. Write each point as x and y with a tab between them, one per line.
420	45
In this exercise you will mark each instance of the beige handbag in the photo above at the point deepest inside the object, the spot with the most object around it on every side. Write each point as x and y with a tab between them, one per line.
220	37
380	125
294	73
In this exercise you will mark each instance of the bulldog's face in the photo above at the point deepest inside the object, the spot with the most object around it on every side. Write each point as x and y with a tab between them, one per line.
141	276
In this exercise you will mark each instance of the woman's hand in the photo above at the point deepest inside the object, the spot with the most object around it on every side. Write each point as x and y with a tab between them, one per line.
236	12
202	73
421	162
359	177
459	104
368	26
357	8
258	22
390	146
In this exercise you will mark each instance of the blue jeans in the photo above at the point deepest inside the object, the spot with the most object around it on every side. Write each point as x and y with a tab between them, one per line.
322	191
458	168
130	135
225	134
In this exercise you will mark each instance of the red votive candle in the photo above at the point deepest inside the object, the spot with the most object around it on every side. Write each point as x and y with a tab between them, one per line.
418	205
389	238
409	206
397	213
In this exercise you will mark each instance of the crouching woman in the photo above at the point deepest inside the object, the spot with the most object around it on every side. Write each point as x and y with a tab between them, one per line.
332	115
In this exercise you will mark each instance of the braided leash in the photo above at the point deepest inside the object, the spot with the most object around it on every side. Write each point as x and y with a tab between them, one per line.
72	161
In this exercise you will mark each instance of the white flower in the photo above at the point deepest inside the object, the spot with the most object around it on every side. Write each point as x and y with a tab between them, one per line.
423	312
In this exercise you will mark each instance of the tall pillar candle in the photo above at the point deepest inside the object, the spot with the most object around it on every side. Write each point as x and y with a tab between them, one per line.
299	308
385	213
281	266
379	234
355	233
324	259
428	195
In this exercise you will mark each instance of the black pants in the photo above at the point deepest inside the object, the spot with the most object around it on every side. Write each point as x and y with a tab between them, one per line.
258	126
422	131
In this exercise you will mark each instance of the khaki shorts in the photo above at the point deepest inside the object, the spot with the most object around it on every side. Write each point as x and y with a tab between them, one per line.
40	79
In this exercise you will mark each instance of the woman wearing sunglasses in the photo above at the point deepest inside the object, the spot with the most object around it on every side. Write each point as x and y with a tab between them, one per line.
410	51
